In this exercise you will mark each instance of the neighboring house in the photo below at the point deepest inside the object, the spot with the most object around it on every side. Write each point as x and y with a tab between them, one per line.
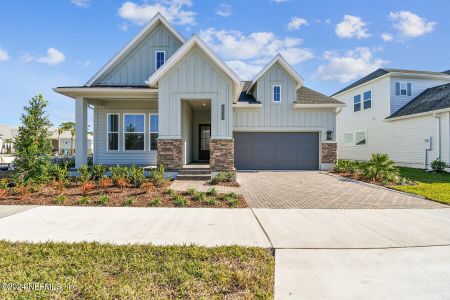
7	136
64	144
166	100
403	113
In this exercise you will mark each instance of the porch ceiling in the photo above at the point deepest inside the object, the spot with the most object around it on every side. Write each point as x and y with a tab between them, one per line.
200	105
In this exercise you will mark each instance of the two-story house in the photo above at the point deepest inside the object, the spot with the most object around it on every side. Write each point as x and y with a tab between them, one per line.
403	113
170	101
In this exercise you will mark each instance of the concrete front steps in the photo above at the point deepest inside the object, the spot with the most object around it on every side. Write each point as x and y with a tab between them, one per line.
194	174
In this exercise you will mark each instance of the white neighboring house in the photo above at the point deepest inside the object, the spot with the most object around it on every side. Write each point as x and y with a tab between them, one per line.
63	145
403	113
7	136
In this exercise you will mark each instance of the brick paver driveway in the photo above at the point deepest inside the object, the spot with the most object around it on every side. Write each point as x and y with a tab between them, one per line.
315	189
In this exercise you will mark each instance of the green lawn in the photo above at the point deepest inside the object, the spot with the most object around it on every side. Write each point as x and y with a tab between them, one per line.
431	185
94	271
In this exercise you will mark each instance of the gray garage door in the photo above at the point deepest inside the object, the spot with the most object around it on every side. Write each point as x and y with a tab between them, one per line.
276	150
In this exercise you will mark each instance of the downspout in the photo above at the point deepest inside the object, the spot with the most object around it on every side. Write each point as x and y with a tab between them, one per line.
438	142
338	111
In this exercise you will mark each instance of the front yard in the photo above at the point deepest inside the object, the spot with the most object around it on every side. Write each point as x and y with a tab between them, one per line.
431	185
94	271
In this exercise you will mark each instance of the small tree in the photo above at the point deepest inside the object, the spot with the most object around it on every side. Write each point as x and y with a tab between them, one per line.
33	145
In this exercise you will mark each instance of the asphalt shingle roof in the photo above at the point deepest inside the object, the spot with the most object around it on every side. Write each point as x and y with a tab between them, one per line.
431	99
383	71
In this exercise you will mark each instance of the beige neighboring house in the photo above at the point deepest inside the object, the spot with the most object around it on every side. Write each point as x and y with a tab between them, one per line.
7	136
63	145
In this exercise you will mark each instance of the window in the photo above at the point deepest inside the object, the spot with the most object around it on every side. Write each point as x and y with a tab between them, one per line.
360	138
133	131
348	138
113	132
160	58
276	97
367	96
154	128
357	103
403	89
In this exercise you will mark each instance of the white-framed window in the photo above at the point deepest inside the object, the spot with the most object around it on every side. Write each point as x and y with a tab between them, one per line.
355	138
160	59
403	88
153	129
357	103
134	132
367	98
276	93
348	139
112	135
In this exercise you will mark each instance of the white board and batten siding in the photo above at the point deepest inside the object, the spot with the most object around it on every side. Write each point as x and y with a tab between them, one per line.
121	157
282	116
402	140
139	64
195	77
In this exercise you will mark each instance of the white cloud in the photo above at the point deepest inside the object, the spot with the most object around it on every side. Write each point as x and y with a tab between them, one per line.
296	23
224	10
387	37
410	24
173	10
352	27
247	54
80	3
4	56
53	57
352	64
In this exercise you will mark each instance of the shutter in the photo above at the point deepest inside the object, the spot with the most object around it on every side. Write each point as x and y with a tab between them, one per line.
409	89
397	89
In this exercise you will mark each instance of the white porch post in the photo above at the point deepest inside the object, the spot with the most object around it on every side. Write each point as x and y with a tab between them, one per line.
81	132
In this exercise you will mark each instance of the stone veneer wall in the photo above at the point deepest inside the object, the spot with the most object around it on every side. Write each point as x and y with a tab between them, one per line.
170	154
221	154
329	151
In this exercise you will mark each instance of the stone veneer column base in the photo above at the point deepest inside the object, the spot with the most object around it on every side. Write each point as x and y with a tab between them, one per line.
329	153
221	155
170	154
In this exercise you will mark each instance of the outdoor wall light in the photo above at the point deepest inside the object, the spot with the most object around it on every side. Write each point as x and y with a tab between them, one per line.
329	135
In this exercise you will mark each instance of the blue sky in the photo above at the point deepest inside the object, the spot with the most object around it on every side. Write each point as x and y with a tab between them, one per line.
44	44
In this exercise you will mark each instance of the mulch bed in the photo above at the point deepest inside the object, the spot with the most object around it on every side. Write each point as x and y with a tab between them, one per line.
127	196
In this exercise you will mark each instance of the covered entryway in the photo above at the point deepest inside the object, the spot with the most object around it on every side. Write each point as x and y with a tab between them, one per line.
276	150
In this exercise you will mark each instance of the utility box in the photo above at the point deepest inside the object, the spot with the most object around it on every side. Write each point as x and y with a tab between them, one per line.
428	143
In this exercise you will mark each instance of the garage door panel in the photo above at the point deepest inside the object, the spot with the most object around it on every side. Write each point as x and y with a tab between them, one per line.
276	150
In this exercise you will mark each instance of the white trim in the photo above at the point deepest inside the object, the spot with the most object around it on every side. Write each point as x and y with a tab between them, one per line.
325	105
193	41
156	58
418	114
123	131
108	132
273	92
107	92
155	21
150	130
287	67
247	105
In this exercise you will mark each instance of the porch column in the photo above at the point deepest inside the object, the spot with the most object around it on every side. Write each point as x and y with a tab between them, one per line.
81	132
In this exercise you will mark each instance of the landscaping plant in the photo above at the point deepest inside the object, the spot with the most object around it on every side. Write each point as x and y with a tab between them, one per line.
85	173
157	176
103	199
83	201
118	173
86	187
380	167
98	172
223	177
121	183
60	199
105	182
211	201
212	192
191	191
438	165
180	201
128	202
155	202
198	196
136	176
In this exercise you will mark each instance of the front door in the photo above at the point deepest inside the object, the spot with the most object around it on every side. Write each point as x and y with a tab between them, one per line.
205	136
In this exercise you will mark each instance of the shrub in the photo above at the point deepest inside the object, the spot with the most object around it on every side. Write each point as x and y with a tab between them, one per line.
105	182
86	187
233	202
198	196
4	193
103	199
23	189
211	201
222	177
170	191
4	183
117	173
85	173
157	176
380	168
347	166
128	202
155	202
121	183
60	199
98	172
180	201
83	201
191	191
212	192
232	195
136	176
59	171
438	165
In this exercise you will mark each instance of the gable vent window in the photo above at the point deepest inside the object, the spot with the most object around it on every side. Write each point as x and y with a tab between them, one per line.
276	95
357	103
403	89
160	58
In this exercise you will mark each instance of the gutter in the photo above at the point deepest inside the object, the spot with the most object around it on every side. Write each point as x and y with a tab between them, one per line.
326	105
112	92
247	105
437	116
431	112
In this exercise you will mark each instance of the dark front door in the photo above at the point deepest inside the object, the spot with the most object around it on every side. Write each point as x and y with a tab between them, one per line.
205	136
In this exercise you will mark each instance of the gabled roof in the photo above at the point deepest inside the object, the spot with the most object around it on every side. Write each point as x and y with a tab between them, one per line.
432	99
308	96
383	71
151	25
287	67
195	40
